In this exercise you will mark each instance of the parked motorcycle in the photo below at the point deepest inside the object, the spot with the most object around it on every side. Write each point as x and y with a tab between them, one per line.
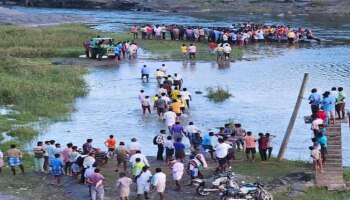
247	191
100	156
224	181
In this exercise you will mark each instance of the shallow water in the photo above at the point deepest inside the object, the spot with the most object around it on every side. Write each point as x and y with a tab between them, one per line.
265	90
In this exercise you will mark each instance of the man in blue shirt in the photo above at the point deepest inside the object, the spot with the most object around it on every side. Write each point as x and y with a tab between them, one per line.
206	143
177	131
144	73
116	52
314	99
328	103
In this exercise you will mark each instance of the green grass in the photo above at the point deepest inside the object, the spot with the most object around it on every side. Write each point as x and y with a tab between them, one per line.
313	193
268	171
218	93
35	89
170	50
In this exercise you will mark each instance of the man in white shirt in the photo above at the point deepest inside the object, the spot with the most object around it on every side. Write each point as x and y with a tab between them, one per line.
190	130
134	146
158	182
177	171
221	151
187	96
169	118
143	180
138	155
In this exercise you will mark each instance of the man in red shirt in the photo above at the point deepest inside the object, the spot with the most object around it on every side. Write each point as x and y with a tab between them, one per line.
262	141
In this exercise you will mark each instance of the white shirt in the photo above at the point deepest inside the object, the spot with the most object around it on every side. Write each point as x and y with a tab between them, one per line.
191	129
316	122
89	171
162	90
222	150
170	118
177	78
334	94
159	178
185	94
178	168
135	146
169	144
142	158
1	154
144	177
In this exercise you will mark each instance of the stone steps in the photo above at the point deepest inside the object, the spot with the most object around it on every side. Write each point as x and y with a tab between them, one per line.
332	178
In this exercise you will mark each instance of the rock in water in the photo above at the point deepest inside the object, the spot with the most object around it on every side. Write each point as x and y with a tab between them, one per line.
198	92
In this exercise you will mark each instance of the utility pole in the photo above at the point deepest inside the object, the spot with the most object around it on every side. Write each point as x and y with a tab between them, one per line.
292	119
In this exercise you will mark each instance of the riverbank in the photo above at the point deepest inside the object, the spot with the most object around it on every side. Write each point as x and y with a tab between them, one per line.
287	180
290	7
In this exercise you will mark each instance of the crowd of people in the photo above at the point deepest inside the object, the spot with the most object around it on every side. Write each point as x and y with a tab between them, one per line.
325	111
235	34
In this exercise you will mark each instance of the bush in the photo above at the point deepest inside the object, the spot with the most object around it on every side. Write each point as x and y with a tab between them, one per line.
218	93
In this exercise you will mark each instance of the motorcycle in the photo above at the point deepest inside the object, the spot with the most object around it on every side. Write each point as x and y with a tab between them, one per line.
100	156
224	181
247	191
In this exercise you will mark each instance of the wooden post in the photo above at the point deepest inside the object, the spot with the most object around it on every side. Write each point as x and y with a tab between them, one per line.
292	119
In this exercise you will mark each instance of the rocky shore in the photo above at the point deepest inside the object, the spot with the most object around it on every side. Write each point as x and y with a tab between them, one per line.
336	7
15	17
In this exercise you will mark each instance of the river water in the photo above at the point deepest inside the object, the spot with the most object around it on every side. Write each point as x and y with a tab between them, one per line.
265	89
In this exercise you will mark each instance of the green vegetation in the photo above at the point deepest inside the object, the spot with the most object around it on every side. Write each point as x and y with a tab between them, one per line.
30	85
313	193
218	93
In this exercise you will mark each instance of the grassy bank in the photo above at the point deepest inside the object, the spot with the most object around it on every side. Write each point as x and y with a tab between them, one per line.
29	85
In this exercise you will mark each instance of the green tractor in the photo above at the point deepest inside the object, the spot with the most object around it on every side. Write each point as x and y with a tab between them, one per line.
98	47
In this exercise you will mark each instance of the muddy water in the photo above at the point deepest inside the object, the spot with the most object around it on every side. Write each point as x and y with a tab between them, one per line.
265	90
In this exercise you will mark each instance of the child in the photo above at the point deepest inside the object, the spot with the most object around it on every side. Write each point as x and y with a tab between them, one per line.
317	161
146	105
169	149
184	51
137	166
154	99
212	47
1	160
56	165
